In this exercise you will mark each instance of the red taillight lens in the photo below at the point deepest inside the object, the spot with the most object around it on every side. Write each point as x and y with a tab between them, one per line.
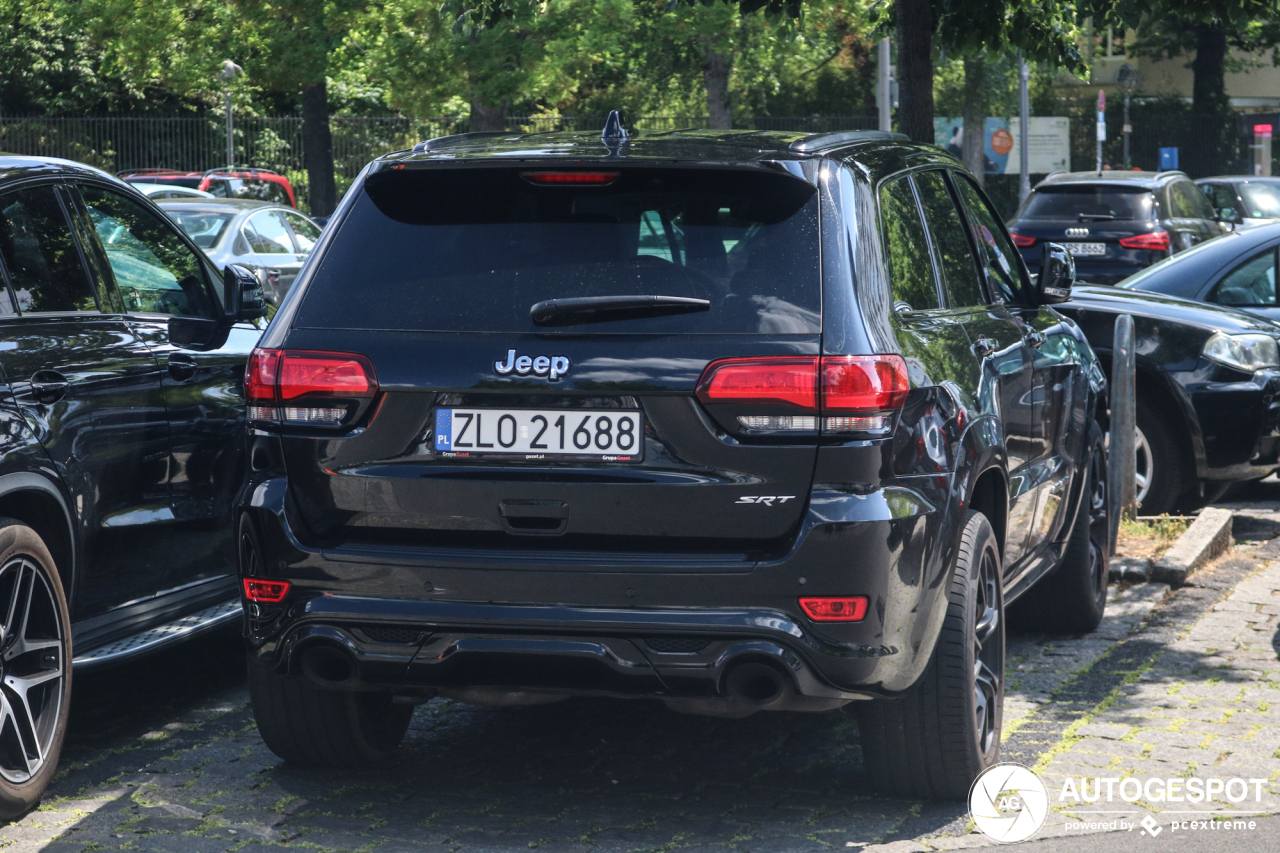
326	374
860	393
307	388
1156	240
1022	241
264	591
570	178
784	380
863	383
846	608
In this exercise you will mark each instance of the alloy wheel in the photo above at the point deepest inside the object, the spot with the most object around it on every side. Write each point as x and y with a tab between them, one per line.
1142	467
988	653
32	669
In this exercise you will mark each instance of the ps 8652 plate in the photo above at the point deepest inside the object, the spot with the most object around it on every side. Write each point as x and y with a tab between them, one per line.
613	435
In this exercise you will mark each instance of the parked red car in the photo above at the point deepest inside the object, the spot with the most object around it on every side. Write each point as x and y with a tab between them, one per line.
249	182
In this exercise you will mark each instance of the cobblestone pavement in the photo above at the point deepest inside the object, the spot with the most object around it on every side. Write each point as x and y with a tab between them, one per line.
163	754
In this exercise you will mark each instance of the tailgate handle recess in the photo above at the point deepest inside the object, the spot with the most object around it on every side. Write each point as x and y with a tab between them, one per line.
534	517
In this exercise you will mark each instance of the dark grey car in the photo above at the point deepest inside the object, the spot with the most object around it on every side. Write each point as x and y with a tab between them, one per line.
271	239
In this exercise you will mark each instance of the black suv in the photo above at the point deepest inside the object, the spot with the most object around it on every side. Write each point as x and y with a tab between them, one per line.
122	354
738	421
1114	223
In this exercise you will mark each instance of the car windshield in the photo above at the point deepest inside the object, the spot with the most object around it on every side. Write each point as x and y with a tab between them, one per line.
475	249
1088	202
204	227
1261	201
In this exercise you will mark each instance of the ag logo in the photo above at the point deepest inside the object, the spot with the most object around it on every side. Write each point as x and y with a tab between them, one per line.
1008	803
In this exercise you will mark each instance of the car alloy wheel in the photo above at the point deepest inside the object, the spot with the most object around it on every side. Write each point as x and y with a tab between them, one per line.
988	654
1142	466
32	669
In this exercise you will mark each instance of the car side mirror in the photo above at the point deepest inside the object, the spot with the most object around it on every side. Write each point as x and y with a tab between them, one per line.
1057	275
244	291
1228	214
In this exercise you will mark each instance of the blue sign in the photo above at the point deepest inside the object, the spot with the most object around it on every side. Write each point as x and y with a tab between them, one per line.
1168	159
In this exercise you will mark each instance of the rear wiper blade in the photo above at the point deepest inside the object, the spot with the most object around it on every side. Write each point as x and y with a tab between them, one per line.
597	309
1096	217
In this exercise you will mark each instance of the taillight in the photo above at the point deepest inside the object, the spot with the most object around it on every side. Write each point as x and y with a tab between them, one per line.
307	388
598	179
1022	241
846	608
1156	240
265	591
846	393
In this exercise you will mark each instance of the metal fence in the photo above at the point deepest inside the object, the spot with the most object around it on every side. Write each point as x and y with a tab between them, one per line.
115	143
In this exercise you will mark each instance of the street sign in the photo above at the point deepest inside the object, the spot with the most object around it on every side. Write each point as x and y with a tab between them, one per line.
1168	159
1102	100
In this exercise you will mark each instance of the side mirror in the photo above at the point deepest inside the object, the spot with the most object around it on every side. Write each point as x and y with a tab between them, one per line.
1057	274
244	292
1228	214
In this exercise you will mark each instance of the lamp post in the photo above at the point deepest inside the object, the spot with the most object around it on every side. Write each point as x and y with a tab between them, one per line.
230	71
1127	82
1024	132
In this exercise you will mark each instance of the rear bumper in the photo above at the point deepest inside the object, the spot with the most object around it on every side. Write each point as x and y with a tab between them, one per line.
413	621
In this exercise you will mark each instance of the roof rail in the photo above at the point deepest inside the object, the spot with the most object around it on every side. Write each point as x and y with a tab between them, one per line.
836	138
124	173
223	170
438	142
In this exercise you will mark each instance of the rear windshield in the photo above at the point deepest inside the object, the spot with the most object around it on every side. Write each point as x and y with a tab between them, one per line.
254	188
203	227
1087	203
472	250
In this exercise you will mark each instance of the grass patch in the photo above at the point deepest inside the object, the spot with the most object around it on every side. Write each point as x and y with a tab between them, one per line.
1149	538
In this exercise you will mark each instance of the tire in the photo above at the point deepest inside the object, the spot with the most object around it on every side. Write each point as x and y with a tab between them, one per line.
313	727
945	730
1073	598
1166	474
35	654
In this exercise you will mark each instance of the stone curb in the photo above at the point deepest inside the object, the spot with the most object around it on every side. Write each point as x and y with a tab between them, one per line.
1207	537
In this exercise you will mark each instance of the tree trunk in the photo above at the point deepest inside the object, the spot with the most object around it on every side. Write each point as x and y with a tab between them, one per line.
1209	91
317	148
487	118
715	73
915	69
975	117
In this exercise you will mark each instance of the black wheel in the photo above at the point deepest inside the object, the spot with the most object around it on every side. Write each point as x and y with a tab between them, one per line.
1161	475
1073	598
945	730
35	668
308	725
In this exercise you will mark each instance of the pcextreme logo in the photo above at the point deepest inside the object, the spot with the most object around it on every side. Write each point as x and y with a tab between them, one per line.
1008	803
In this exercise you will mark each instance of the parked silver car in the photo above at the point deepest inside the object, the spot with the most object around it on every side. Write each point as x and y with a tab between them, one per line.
271	239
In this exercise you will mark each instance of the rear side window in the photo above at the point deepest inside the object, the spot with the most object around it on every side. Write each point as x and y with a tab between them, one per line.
910	268
1252	283
1189	202
474	249
1087	203
40	255
959	268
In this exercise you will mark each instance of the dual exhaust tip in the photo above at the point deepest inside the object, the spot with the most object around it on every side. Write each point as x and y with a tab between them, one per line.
752	683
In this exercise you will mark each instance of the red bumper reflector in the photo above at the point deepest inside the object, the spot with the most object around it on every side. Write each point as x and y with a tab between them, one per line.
570	178
265	591
1156	240
847	608
1022	241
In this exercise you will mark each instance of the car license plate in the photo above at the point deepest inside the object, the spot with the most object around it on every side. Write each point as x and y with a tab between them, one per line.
608	435
1086	248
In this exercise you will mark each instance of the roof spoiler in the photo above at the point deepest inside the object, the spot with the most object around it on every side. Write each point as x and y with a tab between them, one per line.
836	138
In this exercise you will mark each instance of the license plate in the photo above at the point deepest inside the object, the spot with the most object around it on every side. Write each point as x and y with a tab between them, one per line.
610	435
1086	248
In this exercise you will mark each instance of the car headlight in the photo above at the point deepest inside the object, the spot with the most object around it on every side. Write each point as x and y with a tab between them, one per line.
1243	352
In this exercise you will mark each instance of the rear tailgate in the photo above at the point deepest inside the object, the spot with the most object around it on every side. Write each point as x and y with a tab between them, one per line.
490	430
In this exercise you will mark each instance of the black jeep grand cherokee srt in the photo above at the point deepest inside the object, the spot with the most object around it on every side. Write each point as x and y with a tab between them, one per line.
738	421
